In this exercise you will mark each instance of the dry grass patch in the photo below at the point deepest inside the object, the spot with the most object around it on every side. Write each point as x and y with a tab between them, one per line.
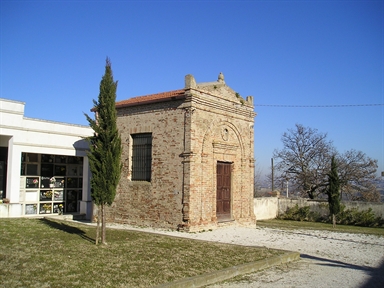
46	253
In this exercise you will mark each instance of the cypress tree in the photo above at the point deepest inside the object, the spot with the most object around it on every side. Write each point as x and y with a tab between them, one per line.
105	149
333	191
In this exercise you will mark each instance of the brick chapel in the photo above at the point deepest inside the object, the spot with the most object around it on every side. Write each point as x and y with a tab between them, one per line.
188	158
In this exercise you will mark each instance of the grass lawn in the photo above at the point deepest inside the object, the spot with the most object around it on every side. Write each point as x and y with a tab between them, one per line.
287	224
47	253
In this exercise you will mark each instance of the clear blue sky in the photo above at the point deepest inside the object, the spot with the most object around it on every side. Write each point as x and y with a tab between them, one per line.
281	52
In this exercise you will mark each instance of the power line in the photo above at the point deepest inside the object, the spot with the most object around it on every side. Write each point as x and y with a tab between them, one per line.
318	106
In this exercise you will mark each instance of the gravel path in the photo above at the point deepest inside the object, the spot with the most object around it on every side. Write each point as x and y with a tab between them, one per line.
328	259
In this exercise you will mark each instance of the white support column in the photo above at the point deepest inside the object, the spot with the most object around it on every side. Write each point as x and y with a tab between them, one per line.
13	171
86	203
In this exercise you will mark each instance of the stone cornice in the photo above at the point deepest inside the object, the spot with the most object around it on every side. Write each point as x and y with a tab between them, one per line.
221	104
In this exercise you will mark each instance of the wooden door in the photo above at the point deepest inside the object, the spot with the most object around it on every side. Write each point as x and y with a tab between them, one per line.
223	192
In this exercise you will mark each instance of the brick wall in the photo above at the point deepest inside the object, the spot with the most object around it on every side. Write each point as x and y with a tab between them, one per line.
221	130
190	136
155	203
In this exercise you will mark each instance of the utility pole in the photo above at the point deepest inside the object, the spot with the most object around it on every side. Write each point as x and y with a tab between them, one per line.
273	186
287	179
287	188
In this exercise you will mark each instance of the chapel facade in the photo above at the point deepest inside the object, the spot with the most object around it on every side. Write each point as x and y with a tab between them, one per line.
188	158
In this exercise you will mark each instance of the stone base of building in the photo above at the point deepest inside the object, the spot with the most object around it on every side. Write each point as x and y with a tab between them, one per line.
212	225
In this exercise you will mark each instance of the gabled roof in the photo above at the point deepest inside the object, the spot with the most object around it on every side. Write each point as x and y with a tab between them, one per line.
153	98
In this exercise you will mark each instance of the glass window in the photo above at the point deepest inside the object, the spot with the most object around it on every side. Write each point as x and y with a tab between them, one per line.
60	170
141	157
31	157
32	169
47	170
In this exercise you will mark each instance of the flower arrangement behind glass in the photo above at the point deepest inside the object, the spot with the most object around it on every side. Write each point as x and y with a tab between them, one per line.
47	207
61	208
35	181
48	194
52	180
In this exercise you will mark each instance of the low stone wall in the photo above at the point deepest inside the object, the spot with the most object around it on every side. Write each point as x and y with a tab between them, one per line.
321	206
10	210
266	208
317	206
377	208
270	207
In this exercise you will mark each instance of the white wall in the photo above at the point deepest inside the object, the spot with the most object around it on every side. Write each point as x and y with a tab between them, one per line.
266	208
10	210
21	134
270	207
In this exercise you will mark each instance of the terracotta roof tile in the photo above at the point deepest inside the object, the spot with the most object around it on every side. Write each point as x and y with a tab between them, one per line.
153	98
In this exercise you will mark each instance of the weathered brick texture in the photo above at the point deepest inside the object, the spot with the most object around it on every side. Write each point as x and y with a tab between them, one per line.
208	123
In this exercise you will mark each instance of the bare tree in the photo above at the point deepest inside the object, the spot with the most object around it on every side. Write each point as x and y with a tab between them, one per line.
305	159
358	176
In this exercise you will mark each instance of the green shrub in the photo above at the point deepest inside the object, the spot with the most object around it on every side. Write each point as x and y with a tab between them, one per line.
364	218
300	214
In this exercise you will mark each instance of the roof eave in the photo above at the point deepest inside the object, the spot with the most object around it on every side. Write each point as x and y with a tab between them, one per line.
151	101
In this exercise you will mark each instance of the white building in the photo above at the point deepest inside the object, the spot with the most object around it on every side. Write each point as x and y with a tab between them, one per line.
43	165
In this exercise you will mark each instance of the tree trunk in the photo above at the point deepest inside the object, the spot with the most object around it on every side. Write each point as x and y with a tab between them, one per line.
98	225
333	220
310	193
103	228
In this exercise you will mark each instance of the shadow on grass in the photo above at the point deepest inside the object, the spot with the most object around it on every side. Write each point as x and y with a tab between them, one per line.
67	228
